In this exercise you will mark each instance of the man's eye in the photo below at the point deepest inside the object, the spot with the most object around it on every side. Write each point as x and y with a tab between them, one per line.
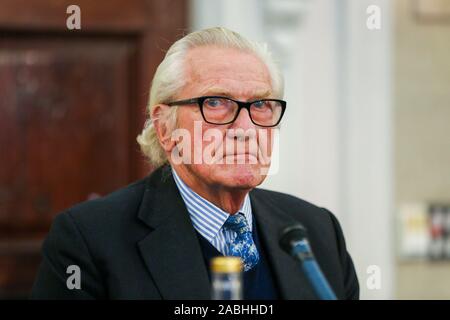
215	102
260	104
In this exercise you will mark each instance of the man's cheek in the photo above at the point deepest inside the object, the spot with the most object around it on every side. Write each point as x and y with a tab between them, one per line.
265	144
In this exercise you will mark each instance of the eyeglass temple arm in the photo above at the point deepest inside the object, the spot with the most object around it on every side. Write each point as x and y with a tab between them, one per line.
181	102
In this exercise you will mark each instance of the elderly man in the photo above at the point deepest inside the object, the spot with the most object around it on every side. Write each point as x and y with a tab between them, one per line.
215	103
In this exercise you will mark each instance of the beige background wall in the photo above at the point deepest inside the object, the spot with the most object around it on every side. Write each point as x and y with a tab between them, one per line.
422	134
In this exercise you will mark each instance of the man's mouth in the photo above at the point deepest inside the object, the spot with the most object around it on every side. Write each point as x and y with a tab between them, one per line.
246	157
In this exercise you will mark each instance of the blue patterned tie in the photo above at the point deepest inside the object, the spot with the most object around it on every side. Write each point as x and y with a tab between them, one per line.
242	246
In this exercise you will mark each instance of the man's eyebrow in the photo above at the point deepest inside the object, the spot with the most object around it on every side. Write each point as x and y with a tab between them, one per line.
225	93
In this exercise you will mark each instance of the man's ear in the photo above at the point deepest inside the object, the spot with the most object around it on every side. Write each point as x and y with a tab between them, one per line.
162	129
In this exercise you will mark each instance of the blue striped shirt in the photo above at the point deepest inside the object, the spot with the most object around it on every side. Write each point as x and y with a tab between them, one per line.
208	219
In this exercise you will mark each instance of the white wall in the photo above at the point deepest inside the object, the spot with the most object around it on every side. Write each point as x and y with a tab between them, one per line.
366	144
335	138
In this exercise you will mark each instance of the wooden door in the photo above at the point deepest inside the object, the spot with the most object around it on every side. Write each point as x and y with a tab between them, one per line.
71	105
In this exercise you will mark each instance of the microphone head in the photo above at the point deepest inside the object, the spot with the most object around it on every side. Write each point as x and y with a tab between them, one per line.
291	235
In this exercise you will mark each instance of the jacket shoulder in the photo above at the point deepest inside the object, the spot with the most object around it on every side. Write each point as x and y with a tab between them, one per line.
317	220
121	204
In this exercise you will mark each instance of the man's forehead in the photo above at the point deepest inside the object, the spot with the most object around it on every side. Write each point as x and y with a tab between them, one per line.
208	59
230	91
227	71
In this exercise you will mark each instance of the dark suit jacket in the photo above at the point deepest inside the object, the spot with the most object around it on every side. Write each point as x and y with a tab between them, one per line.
139	243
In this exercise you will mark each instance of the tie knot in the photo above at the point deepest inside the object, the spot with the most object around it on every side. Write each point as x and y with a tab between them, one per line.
237	223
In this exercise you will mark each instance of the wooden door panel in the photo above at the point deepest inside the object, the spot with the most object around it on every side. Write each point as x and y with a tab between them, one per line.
63	126
18	264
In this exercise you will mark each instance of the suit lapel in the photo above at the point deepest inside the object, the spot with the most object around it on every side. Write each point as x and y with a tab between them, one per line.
171	252
270	220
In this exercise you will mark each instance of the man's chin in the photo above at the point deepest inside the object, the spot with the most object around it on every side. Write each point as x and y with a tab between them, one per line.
245	176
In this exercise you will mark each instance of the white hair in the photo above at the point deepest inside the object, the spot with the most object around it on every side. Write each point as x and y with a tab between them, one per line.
169	79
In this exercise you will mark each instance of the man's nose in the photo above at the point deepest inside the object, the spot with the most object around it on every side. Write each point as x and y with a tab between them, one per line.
243	120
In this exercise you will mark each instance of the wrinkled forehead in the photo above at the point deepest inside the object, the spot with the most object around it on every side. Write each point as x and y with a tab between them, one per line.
226	71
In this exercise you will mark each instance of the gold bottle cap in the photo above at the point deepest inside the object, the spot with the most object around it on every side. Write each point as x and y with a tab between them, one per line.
226	264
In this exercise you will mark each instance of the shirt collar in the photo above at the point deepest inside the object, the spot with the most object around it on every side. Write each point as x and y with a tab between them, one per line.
206	217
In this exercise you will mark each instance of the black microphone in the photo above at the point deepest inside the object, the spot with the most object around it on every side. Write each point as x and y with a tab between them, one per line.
294	241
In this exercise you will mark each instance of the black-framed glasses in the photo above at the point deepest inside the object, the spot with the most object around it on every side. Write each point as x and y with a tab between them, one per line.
223	110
